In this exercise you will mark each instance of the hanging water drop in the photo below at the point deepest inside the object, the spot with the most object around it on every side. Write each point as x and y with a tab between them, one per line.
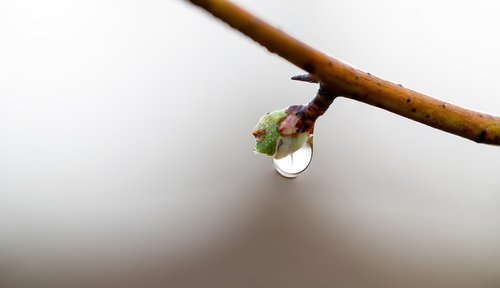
297	162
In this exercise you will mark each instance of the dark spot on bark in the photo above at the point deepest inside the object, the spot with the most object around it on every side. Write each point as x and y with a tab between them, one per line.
379	84
400	85
413	110
356	78
309	68
330	63
408	100
481	115
443	105
481	136
369	74
427	116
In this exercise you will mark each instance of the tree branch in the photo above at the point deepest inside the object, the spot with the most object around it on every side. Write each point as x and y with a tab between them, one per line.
358	85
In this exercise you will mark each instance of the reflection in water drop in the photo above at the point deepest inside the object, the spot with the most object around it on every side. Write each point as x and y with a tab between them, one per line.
294	164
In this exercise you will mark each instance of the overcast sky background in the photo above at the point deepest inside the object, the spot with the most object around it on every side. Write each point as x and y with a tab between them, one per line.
126	155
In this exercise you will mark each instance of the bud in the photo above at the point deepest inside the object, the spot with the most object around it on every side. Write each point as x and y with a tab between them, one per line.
283	132
279	134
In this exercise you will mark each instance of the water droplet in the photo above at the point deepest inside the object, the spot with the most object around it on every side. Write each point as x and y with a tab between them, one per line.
297	162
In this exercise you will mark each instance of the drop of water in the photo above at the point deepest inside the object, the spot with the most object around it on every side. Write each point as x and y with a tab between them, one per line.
297	162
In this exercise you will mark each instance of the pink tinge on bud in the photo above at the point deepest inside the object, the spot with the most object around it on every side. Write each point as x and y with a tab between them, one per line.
288	126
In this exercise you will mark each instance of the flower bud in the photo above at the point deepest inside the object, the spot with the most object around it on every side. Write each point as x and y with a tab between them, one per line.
277	133
266	132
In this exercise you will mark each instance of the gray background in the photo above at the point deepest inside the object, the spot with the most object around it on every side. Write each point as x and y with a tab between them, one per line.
126	155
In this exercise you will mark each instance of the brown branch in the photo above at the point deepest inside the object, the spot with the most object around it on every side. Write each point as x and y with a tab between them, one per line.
358	85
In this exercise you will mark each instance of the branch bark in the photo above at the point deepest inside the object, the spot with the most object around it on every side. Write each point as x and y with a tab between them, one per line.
356	84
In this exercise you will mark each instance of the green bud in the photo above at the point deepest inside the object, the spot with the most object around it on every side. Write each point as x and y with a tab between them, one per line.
266	132
276	134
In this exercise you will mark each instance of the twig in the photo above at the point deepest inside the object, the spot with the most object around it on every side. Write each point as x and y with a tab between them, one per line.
352	83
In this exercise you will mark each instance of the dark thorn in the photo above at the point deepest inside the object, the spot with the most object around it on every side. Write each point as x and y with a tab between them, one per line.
305	78
413	110
408	100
